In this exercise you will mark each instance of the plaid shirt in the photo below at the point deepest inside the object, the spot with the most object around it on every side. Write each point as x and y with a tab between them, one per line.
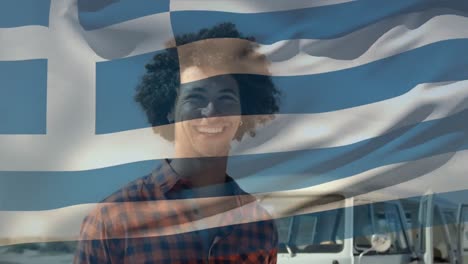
151	221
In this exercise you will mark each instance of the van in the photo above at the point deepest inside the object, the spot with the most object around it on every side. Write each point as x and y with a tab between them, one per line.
339	230
462	238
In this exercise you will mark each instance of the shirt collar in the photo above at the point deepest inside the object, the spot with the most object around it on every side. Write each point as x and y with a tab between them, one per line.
166	178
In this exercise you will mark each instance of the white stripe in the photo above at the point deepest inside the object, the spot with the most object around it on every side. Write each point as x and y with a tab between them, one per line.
248	6
351	125
375	42
133	37
71	76
304	131
64	223
309	56
300	59
293	57
448	175
14	47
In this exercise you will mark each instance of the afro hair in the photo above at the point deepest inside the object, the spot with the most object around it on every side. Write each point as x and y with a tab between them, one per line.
158	88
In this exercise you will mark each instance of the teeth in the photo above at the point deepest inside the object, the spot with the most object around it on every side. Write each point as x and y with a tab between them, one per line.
210	130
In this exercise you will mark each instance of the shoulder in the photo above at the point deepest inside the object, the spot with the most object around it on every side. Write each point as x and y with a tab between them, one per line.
250	204
259	221
148	188
112	212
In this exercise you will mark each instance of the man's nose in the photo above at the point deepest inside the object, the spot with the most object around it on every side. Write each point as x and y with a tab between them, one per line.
209	110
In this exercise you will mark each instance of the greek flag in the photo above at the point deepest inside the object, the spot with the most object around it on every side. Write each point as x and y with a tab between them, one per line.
374	101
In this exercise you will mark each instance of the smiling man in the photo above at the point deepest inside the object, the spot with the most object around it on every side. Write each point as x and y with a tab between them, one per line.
217	101
189	210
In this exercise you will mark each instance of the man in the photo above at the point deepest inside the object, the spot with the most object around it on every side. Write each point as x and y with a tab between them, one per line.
189	210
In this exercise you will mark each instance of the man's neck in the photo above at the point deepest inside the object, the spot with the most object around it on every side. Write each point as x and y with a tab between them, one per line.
201	171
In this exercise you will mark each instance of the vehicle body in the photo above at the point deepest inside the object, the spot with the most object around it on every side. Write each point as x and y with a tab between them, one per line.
422	230
462	239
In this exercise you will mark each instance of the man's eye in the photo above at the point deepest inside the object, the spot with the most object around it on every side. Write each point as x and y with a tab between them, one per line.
194	98
228	98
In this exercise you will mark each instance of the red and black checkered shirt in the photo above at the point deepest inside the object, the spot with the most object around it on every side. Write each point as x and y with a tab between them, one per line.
156	219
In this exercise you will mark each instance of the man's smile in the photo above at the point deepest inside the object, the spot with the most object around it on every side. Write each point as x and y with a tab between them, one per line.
210	129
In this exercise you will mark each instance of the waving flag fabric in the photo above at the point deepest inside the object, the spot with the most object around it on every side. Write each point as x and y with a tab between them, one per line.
374	100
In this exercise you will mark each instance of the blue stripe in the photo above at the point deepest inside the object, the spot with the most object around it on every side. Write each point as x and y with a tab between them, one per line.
316	23
102	13
447	201
16	13
23	97
261	172
115	87
376	81
312	167
48	190
373	82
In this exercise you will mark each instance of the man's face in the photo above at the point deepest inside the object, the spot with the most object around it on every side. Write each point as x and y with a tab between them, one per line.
207	114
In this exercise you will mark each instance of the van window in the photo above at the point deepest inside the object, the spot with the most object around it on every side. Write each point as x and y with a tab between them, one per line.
451	222
464	229
441	244
363	227
312	233
379	218
414	211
